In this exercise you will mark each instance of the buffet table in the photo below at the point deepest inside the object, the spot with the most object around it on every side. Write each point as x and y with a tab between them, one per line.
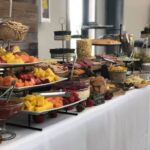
119	124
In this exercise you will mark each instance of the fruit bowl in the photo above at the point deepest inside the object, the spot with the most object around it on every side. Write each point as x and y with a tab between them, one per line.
7	110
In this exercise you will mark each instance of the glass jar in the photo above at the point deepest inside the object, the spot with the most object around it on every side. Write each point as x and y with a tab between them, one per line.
84	48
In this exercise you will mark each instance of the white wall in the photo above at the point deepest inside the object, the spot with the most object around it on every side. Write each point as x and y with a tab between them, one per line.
46	30
136	15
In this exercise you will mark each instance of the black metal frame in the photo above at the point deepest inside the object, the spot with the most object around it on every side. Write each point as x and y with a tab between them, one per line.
29	118
28	126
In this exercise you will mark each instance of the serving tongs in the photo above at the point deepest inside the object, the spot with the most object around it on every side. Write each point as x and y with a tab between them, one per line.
52	94
73	67
9	91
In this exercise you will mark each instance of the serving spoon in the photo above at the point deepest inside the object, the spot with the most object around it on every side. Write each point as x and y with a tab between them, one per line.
10	90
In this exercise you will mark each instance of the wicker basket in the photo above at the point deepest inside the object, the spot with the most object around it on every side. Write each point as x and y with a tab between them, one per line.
11	30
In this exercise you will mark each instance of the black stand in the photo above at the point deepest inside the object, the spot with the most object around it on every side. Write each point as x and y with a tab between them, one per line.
28	126
29	118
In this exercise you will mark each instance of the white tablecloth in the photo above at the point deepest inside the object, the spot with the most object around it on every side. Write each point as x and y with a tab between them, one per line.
120	124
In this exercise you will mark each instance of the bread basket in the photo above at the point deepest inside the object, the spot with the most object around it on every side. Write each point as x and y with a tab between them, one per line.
11	30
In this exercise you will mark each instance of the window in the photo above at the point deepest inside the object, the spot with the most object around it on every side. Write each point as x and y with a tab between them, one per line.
75	18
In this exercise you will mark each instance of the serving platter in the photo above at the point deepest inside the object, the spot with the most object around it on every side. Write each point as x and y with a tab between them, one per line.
96	26
33	87
8	65
52	109
128	59
115	44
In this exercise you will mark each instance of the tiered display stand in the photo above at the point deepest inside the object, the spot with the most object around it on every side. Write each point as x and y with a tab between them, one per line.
28	89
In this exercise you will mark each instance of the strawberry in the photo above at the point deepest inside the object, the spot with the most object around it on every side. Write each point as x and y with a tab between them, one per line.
90	103
77	99
71	99
108	96
75	94
39	118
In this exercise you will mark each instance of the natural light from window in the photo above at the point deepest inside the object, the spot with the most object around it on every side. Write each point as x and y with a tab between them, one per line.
76	16
75	13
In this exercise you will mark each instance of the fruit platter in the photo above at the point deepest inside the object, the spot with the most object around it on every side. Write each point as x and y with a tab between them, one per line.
29	79
32	86
15	57
61	70
105	42
39	104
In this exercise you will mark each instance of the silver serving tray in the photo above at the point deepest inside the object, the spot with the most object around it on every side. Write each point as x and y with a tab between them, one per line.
32	87
52	94
53	109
